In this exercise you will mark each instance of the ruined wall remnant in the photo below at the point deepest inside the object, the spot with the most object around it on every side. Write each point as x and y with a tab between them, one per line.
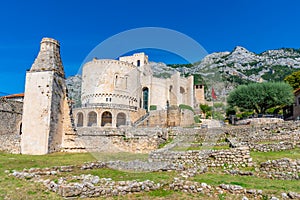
10	116
10	125
44	116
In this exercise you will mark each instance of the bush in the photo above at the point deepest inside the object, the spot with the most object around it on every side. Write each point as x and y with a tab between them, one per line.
197	119
186	107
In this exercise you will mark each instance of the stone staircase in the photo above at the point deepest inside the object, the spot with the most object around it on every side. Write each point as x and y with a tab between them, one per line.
141	120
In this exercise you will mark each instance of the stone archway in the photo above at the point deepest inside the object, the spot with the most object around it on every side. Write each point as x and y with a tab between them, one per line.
79	119
92	118
106	119
121	119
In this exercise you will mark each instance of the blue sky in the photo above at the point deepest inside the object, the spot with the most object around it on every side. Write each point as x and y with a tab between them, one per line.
218	25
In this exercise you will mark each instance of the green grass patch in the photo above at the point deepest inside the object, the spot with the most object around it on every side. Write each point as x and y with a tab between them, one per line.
123	156
117	175
165	143
13	188
273	155
267	185
160	193
17	161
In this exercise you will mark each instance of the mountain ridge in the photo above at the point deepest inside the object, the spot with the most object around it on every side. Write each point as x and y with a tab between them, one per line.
224	70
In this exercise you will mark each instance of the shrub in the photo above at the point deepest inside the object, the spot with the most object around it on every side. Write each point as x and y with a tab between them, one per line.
197	119
186	107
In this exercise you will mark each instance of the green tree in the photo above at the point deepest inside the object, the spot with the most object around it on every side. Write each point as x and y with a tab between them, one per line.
261	96
293	79
205	109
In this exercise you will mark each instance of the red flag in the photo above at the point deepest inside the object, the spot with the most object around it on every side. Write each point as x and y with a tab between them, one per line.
213	94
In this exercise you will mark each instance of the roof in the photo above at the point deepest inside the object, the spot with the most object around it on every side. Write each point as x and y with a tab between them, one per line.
21	95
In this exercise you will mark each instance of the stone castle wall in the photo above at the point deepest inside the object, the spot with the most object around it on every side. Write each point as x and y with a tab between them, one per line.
10	125
10	116
173	117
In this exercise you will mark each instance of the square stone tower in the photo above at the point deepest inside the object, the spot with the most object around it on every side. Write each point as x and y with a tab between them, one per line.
137	59
45	92
199	95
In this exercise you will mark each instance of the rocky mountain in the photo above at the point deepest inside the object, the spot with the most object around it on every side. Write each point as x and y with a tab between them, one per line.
223	70
271	65
74	89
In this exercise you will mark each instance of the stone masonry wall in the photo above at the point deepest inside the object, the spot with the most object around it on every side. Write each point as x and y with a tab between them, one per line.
10	143
10	116
272	146
140	140
10	125
213	158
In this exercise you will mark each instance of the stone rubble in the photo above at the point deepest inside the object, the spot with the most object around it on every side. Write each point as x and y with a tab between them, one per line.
93	186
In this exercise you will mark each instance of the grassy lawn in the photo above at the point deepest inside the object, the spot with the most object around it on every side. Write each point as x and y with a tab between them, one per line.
267	185
124	156
264	156
139	176
13	188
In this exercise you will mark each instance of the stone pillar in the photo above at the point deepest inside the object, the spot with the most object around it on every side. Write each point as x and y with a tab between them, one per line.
114	119
45	96
190	91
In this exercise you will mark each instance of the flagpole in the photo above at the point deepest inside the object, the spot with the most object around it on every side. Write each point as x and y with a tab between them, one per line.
213	108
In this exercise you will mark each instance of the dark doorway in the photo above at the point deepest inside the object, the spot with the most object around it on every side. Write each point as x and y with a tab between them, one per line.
106	118
145	98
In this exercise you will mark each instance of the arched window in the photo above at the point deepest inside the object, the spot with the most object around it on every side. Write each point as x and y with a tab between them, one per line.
79	119
106	118
92	121
182	91
145	98
121	119
116	80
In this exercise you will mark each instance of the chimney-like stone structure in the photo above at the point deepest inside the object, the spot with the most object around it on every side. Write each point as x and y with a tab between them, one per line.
48	58
44	111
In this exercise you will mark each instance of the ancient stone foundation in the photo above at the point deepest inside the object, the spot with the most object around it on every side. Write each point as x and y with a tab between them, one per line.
285	168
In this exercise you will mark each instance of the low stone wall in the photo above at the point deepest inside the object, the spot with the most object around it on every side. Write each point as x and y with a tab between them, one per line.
285	169
278	132
10	143
211	158
272	146
257	121
93	186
